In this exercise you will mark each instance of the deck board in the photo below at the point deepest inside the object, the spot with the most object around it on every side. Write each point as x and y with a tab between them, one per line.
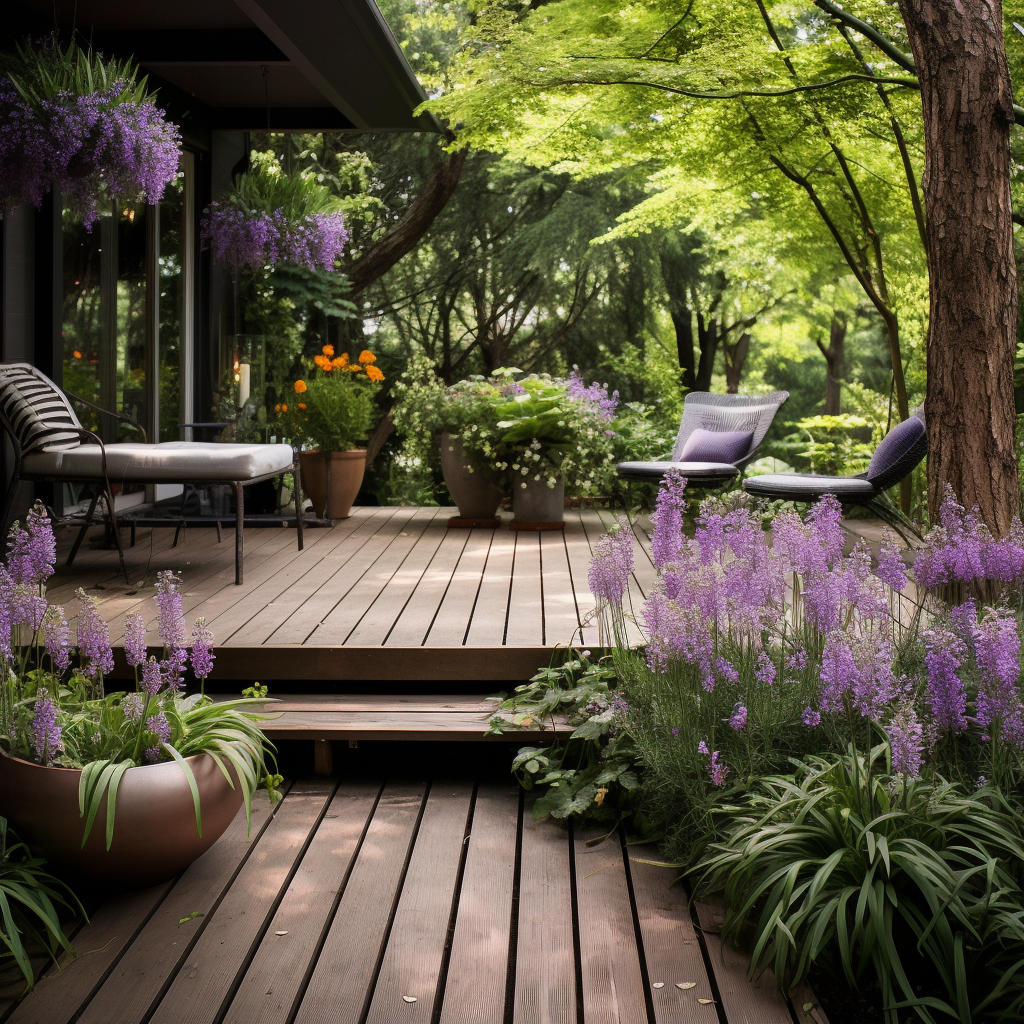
405	902
392	588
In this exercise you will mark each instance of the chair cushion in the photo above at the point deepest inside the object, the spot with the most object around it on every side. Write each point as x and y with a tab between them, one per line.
809	486
691	470
720	446
170	462
898	453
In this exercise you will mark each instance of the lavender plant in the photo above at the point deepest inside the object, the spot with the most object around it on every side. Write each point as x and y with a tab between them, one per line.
83	124
272	217
53	708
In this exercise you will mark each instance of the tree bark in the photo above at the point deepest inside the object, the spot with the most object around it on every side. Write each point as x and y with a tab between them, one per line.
968	109
835	363
402	238
735	360
707	339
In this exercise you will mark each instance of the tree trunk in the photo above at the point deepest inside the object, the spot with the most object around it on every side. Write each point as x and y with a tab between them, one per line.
835	363
965	92
735	360
683	323
707	339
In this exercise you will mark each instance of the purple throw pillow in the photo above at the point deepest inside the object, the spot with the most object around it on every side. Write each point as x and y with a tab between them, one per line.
724	446
895	446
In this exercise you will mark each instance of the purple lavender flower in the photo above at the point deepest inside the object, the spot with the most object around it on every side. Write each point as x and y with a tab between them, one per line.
765	671
667	538
997	650
132	706
46	732
135	639
811	718
738	719
173	668
202	649
891	568
838	670
595	396
6	612
57	638
158	725
702	748
797	661
612	564
27	607
32	552
152	678
717	770
93	638
945	654
905	740
726	670
168	598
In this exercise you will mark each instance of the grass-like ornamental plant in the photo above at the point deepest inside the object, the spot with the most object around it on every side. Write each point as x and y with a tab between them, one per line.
53	710
30	898
914	884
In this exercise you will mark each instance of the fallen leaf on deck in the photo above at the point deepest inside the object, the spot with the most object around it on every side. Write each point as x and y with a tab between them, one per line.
409	999
705	1002
686	985
280	933
658	984
191	917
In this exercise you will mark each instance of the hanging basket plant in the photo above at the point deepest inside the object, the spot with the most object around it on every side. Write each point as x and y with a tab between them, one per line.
271	217
83	124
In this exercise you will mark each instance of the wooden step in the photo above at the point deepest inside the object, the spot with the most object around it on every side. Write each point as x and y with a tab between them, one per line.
440	717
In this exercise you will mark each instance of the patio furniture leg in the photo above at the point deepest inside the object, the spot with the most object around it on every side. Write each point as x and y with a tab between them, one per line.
117	531
239	523
81	532
177	534
297	495
220	532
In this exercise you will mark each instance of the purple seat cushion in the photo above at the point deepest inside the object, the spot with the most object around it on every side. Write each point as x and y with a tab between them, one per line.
727	446
905	440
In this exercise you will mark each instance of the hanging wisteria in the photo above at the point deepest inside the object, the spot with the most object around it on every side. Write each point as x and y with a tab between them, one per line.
270	217
84	125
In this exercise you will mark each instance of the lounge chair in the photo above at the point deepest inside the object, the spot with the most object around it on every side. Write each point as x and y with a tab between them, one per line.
895	457
51	444
718	435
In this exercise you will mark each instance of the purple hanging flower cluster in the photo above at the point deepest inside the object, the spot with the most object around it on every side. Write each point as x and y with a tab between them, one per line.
32	550
57	638
251	240
135	639
945	655
168	599
98	145
594	395
905	741
667	539
612	564
161	728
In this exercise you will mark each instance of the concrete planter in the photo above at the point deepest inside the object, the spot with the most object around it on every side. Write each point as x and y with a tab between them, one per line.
477	494
536	502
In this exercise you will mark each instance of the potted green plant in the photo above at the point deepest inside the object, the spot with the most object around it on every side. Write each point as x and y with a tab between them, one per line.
132	785
330	413
459	422
552	432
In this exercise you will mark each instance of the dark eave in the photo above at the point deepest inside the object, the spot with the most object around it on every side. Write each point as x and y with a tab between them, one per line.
290	65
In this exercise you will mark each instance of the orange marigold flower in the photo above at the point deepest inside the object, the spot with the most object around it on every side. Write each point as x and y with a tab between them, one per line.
373	373
328	350
366	356
353	368
302	405
277	408
77	354
339	362
343	359
300	387
323	362
284	408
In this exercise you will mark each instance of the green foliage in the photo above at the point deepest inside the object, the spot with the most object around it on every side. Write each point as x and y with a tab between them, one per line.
829	444
590	774
890	879
30	898
265	188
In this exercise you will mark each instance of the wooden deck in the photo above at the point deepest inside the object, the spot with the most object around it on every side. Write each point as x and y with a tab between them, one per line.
389	594
408	899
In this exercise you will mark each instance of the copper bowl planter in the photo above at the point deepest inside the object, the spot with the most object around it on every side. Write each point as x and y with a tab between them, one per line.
332	480
155	833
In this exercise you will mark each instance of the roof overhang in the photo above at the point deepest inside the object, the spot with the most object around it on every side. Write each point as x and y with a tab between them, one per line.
283	65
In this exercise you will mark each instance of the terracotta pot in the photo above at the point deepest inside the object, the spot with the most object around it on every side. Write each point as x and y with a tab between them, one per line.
476	493
536	502
332	480
155	833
